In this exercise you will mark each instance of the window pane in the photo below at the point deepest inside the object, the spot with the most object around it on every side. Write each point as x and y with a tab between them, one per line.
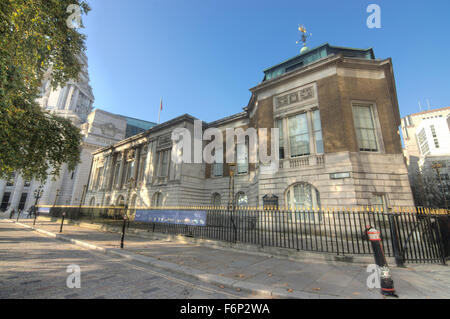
317	126
242	158
365	128
164	163
279	125
241	199
217	169
299	135
300	196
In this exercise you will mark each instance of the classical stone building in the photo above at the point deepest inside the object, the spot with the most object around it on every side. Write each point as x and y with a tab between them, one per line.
99	129
339	145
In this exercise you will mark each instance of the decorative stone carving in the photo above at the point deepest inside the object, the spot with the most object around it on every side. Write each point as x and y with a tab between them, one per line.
131	155
306	94
165	141
109	129
298	96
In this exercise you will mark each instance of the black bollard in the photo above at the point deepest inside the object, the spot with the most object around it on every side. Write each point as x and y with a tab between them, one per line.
62	221
123	231
18	215
387	284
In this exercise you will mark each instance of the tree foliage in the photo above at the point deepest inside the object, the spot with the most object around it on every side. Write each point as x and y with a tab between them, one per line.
35	38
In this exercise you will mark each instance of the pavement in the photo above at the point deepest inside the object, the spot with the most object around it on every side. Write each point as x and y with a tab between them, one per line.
245	273
33	266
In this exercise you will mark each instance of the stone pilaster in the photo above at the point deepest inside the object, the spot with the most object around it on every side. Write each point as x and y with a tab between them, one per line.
121	172
17	193
2	188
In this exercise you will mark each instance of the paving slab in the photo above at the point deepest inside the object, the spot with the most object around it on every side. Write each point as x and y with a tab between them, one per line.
299	279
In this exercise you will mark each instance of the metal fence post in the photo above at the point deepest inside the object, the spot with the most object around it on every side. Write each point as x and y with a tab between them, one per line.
35	215
62	222
440	241
396	247
123	230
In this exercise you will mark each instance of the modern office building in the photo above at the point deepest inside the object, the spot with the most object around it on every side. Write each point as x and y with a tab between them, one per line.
427	149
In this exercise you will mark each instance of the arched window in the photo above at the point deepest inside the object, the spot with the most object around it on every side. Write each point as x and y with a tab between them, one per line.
216	199
241	199
92	202
157	199
302	195
107	201
120	201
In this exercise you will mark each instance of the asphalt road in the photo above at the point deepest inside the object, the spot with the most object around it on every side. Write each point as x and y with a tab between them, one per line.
33	266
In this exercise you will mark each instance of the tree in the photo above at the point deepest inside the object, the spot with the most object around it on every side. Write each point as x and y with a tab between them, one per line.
36	37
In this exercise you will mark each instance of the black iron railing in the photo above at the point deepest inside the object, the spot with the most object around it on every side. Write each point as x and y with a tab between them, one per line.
409	236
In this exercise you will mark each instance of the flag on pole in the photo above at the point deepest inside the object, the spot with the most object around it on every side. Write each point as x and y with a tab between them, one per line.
160	109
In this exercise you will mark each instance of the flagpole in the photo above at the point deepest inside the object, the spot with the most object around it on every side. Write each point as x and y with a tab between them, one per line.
159	113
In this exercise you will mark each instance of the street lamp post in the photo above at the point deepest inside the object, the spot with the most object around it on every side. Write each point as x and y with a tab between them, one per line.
231	200
232	169
56	197
37	194
130	186
62	221
83	195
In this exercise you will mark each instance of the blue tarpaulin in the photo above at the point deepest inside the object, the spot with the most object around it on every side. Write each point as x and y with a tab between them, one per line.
43	209
180	217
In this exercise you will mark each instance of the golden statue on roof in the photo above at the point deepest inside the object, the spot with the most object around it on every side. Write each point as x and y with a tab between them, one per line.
305	36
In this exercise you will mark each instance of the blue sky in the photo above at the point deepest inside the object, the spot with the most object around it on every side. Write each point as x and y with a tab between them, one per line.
202	56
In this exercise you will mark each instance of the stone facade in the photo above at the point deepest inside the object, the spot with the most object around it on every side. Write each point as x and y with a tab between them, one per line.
335	170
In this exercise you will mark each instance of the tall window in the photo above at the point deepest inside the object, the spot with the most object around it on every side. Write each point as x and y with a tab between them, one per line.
142	163
242	157
5	200
99	179
305	134
302	195
117	171
299	135
128	172
279	125
365	127
157	199
217	168
23	200
317	131
163	163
